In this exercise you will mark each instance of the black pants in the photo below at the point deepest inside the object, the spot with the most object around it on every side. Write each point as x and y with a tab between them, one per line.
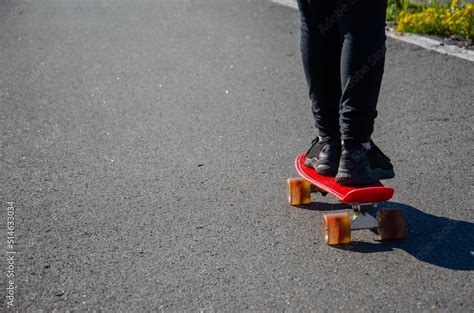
343	50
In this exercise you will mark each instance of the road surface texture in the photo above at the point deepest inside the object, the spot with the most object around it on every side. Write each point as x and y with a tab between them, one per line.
146	146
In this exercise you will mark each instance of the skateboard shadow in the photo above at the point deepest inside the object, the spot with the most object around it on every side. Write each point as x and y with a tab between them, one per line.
321	206
436	240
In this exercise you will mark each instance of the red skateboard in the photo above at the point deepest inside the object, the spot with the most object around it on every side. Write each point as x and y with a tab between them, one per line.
390	223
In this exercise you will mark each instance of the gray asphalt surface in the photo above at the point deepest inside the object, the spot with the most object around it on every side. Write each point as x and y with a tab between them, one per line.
146	146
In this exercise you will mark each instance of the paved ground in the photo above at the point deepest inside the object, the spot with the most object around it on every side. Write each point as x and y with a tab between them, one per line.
146	147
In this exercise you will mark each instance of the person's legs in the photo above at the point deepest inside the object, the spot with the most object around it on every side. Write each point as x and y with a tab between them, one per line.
320	50
362	66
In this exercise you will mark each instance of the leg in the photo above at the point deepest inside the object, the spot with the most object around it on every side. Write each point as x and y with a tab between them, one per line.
320	50
362	65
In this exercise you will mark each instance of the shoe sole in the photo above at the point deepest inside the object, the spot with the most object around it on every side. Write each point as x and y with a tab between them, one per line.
326	171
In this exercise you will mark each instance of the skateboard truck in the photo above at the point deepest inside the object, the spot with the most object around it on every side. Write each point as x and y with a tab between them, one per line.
388	222
361	219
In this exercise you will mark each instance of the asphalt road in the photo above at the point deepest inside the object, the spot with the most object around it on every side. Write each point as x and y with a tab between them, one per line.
146	146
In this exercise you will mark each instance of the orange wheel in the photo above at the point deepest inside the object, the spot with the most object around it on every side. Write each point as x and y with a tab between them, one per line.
392	224
337	228
299	191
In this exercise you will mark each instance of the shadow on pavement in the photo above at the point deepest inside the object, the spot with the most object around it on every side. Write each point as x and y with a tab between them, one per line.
436	240
321	206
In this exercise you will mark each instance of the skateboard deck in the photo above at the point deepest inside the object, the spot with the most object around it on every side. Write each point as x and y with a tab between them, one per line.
347	194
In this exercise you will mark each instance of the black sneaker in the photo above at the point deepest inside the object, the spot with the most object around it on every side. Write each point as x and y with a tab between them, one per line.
379	163
324	156
354	167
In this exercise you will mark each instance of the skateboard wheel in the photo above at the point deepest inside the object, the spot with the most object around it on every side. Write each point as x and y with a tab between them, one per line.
299	191
337	228
392	224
